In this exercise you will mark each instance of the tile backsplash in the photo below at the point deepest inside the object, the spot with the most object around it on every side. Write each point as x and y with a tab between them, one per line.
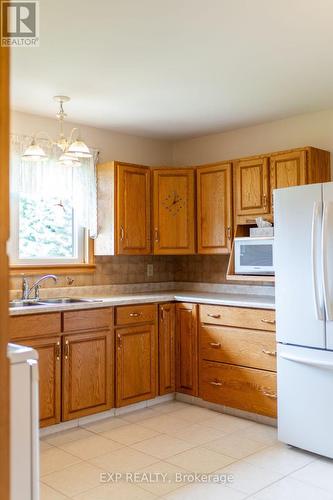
133	269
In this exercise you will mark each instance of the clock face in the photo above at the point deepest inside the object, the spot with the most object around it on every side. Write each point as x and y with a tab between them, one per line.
173	203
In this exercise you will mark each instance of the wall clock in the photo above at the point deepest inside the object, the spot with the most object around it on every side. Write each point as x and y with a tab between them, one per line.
173	203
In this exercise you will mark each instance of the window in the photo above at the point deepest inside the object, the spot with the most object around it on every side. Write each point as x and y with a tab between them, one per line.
45	231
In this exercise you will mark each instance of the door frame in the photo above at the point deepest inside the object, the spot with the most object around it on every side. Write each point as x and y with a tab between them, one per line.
4	234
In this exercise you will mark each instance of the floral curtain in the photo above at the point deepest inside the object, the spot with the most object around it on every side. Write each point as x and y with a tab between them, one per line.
48	178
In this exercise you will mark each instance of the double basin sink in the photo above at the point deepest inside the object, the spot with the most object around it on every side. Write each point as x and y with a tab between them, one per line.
45	302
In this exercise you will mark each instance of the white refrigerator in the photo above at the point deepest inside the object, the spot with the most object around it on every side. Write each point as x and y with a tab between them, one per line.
303	261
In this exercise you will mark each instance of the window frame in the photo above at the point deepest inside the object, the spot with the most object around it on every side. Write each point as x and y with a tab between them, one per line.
84	262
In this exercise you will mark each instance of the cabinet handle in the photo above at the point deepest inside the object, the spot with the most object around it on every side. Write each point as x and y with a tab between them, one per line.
216	316
271	395
215	344
265	201
67	349
122	233
250	221
156	236
135	315
162	314
215	383
269	321
229	233
57	350
120	345
269	353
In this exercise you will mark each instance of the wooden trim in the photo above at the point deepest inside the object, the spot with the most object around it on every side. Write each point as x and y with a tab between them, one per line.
69	269
4	234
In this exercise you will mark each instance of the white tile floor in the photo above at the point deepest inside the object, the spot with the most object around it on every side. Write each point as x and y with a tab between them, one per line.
174	440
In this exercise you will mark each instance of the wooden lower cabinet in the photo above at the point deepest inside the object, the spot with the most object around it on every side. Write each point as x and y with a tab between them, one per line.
87	374
247	389
167	349
186	349
49	365
136	364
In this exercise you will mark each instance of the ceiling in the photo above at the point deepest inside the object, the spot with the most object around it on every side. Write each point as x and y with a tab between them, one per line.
178	68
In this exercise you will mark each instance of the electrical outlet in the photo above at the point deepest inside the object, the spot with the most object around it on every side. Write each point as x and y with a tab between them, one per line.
150	270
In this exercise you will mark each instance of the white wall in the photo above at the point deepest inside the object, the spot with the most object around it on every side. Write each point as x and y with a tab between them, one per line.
112	146
313	129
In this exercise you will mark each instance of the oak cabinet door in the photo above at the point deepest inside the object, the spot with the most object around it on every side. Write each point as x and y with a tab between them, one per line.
288	169
187	349
49	366
133	210
174	211
87	385
136	364
252	187
166	348
214	209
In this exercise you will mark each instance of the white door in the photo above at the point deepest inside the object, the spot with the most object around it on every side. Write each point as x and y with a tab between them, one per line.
327	259
300	315
305	405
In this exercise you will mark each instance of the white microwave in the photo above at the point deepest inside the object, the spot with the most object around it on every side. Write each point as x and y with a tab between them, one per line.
254	255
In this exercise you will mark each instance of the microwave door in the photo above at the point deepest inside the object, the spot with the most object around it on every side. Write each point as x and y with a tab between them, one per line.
254	257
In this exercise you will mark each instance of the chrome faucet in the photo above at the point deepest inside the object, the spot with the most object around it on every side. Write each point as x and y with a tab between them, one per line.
26	289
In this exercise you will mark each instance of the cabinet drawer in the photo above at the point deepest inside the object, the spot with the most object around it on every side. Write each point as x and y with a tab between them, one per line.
253	348
243	388
257	319
89	319
127	315
34	325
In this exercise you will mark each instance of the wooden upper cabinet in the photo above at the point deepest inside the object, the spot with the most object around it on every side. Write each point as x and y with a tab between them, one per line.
136	364
174	217
187	349
166	348
252	187
123	209
133	210
49	367
288	169
214	208
87	373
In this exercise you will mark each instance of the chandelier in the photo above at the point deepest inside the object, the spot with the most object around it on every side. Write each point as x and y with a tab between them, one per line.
70	149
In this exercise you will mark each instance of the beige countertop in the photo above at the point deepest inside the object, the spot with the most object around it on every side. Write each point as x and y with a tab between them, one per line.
225	299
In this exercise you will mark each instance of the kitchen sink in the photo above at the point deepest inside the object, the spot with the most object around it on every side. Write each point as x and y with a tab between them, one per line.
61	300
23	303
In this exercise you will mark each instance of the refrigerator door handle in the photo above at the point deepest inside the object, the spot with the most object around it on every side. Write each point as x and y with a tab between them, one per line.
316	215
326	220
308	361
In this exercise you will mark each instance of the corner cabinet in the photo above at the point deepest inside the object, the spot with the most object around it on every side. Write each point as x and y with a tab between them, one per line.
123	209
214	208
186	349
173	211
